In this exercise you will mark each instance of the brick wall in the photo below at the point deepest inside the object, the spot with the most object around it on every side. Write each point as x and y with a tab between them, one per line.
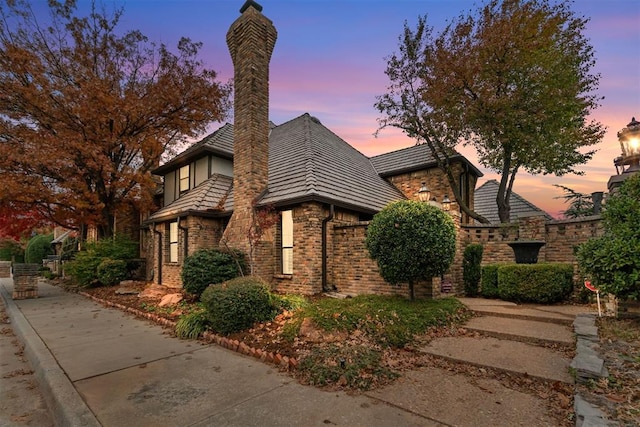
354	273
203	233
409	183
561	236
5	268
307	251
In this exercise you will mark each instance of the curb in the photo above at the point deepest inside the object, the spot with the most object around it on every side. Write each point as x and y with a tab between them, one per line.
284	362
62	398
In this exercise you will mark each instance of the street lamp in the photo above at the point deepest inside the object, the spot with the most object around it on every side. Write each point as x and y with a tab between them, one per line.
629	139
424	194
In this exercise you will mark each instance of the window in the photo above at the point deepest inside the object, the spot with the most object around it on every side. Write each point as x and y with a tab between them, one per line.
184	179
173	242
287	242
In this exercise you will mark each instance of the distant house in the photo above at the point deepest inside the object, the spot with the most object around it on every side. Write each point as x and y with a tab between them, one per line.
485	204
322	188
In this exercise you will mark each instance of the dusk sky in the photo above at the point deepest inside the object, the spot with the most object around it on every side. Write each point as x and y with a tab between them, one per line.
329	61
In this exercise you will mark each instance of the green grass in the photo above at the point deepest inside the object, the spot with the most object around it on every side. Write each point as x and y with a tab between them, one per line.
389	321
386	321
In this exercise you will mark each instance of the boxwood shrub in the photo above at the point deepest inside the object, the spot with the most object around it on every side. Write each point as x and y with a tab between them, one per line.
209	266
112	271
489	281
535	283
238	304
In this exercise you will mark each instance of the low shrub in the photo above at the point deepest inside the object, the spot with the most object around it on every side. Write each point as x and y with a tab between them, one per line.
84	267
536	283
471	269
10	250
289	302
207	267
112	271
238	304
390	321
489	281
38	248
192	325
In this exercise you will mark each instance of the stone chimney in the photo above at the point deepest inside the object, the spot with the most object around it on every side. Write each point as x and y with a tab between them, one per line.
251	39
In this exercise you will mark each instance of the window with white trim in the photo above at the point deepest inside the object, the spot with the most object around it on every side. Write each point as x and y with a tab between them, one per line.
173	241
287	242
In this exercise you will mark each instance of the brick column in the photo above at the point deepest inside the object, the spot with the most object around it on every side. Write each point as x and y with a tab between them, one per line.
25	281
251	39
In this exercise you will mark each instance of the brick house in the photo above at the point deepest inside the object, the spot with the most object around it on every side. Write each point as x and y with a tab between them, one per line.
323	190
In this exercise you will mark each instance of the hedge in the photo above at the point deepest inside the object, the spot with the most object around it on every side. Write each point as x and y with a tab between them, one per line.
535	283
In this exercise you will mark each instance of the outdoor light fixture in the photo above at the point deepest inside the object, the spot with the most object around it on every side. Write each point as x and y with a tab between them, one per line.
629	139
446	203
424	194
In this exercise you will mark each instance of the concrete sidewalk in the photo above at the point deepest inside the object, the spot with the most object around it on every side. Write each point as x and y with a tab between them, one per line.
99	366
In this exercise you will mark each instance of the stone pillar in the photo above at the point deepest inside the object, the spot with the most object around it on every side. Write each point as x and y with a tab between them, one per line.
251	39
25	281
5	269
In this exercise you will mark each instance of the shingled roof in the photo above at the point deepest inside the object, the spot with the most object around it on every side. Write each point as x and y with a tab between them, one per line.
309	162
411	159
306	162
210	197
485	203
219	143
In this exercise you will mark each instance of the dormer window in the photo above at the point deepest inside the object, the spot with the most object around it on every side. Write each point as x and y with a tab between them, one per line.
184	179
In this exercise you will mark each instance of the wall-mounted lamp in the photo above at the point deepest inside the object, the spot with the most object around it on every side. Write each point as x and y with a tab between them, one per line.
446	203
424	194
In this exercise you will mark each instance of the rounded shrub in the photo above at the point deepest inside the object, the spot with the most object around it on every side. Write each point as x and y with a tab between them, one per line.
209	266
471	269
112	271
411	241
38	248
238	304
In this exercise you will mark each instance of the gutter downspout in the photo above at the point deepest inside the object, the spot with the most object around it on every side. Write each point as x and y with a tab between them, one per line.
186	239
159	254
324	247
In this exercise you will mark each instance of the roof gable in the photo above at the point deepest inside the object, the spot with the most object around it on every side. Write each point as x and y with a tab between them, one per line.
485	203
309	162
413	158
219	143
211	196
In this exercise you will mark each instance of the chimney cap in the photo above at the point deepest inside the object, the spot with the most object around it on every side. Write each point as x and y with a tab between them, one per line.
249	3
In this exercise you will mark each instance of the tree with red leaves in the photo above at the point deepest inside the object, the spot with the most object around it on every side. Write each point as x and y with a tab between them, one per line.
86	112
